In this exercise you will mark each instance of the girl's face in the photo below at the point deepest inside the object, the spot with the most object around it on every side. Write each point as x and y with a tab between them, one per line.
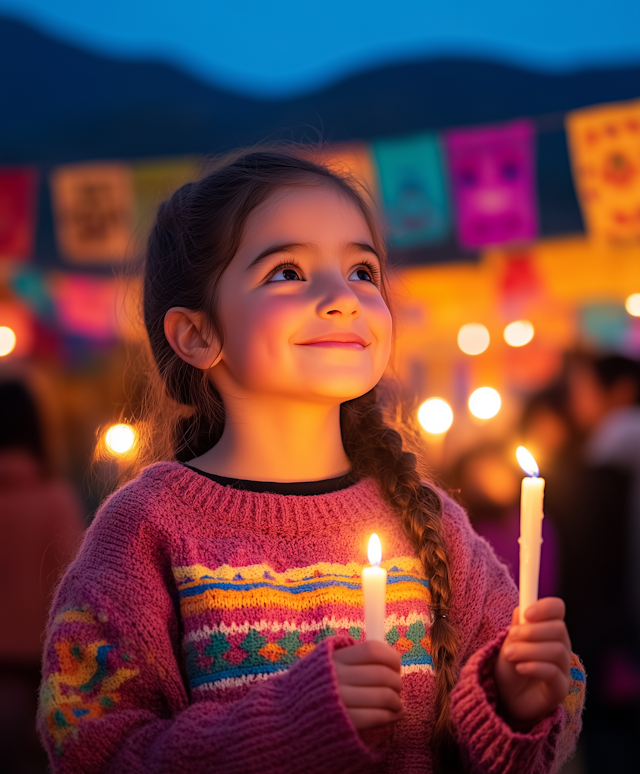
300	303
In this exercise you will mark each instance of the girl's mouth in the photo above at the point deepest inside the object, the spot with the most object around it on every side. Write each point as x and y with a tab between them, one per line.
348	340
340	344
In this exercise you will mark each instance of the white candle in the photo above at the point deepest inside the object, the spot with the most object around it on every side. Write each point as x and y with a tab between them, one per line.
374	586
531	515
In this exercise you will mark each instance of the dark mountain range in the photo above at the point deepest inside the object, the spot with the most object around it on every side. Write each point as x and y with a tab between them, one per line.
62	104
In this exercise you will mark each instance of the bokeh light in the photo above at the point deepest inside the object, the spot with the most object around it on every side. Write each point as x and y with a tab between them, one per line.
435	415
7	340
518	333
485	403
632	304
120	438
473	338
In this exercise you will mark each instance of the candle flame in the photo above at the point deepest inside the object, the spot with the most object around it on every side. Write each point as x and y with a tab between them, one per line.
375	550
526	462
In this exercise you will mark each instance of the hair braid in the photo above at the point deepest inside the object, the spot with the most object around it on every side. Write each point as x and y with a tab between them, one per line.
376	450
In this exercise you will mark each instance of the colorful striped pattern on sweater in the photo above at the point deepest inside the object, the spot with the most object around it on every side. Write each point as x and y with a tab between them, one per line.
291	612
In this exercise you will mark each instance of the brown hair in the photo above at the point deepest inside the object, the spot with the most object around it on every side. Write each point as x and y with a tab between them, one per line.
196	235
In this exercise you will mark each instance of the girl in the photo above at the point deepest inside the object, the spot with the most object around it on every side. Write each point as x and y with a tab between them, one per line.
213	619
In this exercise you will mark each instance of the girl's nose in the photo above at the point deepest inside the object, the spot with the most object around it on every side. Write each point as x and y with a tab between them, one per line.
337	298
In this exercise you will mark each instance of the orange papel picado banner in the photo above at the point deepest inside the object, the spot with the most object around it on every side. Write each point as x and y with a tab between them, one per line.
94	210
604	142
352	160
154	180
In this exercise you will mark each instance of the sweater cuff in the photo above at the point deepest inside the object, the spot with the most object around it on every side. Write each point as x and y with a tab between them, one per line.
487	741
326	740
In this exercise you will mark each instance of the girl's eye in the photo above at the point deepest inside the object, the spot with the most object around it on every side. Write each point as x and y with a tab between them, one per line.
362	274
286	274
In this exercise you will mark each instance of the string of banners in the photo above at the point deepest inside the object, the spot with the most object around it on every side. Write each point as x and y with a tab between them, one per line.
479	182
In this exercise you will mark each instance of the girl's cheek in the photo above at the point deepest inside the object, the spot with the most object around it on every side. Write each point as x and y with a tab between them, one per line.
380	322
277	318
265	326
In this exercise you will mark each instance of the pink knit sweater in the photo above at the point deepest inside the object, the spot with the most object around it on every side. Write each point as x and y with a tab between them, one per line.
193	633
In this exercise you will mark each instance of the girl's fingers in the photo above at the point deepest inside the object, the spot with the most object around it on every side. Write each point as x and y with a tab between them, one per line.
370	698
548	652
369	652
549	630
545	610
368	718
368	675
551	674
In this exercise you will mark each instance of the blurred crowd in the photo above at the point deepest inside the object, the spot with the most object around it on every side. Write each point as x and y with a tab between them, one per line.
584	431
41	522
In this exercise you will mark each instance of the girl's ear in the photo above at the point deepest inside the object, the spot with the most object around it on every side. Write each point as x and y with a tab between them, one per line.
184	330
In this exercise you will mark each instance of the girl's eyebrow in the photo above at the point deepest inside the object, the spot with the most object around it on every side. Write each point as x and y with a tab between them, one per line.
362	247
290	247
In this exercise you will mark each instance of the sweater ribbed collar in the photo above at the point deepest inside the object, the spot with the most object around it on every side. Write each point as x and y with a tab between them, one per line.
268	513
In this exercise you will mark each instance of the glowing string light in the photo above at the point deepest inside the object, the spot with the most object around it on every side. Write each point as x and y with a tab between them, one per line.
7	340
120	438
435	415
473	338
485	403
518	333
632	304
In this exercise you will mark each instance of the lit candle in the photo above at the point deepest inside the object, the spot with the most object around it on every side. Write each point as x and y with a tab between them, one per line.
531	516
374	585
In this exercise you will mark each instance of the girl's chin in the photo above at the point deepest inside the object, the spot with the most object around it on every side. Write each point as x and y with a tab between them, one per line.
339	392
342	383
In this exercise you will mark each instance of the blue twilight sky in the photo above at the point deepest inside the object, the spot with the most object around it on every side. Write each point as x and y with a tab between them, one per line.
282	47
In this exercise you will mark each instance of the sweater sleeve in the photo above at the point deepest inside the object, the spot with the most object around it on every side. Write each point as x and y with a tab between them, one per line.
113	698
487	598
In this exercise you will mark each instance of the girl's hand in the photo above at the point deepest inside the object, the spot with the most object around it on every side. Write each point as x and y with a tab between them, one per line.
532	670
369	683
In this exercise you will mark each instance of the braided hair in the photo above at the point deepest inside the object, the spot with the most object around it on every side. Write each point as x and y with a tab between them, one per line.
377	450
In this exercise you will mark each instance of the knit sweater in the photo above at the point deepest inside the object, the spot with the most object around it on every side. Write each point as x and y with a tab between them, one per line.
194	633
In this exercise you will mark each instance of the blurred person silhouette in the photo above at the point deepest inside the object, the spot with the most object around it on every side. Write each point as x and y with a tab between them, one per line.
547	431
602	554
488	480
606	407
40	525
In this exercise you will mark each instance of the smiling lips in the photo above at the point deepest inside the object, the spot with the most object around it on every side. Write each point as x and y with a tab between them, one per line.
343	340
